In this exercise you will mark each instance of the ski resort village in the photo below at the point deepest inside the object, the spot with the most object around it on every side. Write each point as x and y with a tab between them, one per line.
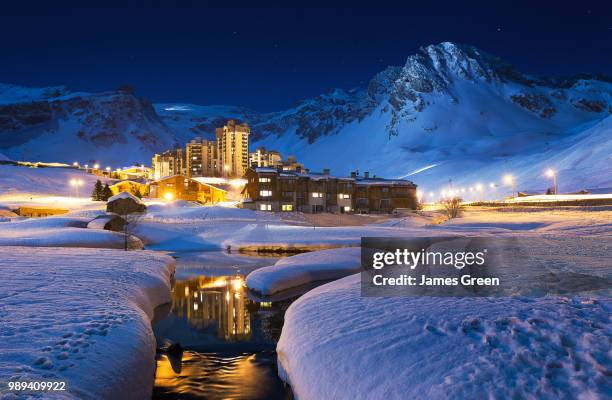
170	250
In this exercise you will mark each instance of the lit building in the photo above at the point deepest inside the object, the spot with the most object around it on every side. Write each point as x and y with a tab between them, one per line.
180	187
169	163
201	157
133	172
265	158
271	189
233	149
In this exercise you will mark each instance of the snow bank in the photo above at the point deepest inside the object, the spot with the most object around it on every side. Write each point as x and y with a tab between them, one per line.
83	316
61	232
183	211
305	268
337	344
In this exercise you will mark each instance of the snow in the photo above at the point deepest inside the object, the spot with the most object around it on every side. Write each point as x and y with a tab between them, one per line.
305	268
46	187
337	344
125	195
83	316
61	232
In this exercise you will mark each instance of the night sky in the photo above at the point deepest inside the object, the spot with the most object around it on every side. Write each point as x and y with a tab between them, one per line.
268	57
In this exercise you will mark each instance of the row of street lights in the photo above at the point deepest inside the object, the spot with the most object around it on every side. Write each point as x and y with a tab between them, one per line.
507	179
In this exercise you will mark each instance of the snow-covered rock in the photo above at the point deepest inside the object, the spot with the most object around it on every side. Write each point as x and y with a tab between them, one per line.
82	316
305	268
337	344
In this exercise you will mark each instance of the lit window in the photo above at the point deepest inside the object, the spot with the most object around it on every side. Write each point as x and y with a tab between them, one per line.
265	207
344	196
347	209
265	193
287	207
264	180
317	194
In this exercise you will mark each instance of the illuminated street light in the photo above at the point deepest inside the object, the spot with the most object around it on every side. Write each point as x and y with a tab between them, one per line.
75	164
96	166
479	187
510	180
552	174
108	169
169	196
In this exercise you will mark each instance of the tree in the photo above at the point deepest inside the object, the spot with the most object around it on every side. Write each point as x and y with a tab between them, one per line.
452	207
107	193
96	195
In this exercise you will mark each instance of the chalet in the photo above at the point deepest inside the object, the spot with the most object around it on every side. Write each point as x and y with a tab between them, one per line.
125	203
180	187
133	186
271	189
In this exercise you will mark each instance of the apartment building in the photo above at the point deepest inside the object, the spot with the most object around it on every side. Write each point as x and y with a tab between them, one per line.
273	189
201	158
233	149
170	162
265	158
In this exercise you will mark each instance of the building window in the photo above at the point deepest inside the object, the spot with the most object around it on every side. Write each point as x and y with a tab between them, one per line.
347	209
265	207
317	194
265	193
264	180
344	196
287	207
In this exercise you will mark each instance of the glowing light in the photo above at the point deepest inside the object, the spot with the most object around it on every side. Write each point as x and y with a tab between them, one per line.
73	182
76	164
169	196
96	166
550	173
237	182
237	284
508	179
431	194
108	169
419	195
492	185
471	189
479	187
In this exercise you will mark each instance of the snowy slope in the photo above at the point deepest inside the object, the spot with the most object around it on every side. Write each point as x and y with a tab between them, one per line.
52	124
82	316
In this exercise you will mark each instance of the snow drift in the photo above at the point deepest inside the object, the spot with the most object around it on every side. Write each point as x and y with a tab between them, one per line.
82	316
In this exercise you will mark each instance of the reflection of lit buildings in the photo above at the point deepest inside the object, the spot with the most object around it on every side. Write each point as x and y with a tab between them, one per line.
209	301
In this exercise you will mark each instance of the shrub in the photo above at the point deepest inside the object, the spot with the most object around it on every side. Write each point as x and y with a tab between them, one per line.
452	207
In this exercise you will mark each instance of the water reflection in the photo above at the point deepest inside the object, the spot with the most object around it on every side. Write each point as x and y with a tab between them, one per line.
214	301
227	342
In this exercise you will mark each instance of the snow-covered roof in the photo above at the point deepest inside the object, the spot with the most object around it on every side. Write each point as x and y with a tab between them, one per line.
125	195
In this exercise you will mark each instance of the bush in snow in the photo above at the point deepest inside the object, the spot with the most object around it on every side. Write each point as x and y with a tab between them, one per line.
452	207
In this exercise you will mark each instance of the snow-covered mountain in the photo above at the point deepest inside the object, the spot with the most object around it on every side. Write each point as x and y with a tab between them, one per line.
450	113
52	124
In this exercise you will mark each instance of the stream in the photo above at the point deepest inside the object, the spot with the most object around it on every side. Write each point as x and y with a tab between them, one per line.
227	337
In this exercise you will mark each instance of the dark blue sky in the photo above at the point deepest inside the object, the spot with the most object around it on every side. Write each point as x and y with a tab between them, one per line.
266	57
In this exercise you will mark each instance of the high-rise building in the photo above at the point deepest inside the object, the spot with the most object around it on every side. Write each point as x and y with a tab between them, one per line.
265	158
201	158
233	149
170	162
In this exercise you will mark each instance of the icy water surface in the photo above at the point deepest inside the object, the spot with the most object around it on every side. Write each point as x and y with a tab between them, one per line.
227	339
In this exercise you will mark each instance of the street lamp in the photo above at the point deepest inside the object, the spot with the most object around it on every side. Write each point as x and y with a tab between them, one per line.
509	180
552	174
96	166
75	164
76	183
